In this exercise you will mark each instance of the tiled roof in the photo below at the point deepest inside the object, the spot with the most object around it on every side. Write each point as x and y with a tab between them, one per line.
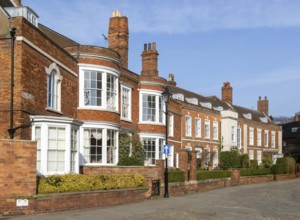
57	38
218	104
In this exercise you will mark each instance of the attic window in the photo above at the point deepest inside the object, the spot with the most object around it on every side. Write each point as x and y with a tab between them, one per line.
25	12
218	108
264	119
192	101
248	116
294	130
206	104
178	96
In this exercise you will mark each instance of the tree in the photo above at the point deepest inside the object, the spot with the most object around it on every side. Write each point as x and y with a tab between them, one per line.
129	144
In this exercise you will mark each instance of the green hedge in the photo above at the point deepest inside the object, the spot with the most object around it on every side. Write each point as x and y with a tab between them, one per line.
285	165
255	172
203	175
76	182
176	176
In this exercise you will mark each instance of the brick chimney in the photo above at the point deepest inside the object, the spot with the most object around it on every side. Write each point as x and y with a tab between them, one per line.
263	105
297	116
171	80
118	36
227	92
149	60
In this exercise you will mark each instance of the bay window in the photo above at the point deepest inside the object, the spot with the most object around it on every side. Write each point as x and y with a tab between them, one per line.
98	88
152	107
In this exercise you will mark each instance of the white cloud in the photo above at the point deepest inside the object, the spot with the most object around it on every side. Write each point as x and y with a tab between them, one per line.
170	16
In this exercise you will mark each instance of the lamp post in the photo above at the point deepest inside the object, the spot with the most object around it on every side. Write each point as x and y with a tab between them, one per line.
11	129
166	96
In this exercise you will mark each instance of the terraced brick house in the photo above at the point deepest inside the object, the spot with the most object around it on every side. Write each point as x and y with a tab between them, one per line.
74	100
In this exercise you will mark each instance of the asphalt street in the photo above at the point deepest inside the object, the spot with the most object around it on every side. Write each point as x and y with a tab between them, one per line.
268	201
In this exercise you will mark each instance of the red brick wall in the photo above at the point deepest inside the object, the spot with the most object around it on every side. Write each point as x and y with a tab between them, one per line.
17	173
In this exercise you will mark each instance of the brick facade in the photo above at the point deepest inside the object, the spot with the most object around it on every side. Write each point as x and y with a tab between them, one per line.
37	48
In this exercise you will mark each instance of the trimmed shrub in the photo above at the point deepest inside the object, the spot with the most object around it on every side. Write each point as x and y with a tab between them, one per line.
77	182
244	159
253	164
230	159
285	165
137	150
268	162
203	175
176	175
255	172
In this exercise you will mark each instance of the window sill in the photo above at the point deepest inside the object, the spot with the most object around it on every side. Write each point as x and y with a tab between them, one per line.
93	108
127	120
53	110
151	122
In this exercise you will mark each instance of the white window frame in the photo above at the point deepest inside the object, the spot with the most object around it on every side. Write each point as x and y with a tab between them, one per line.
259	157
104	127
251	154
45	122
159	114
159	141
273	138
207	129
233	134
239	138
215	130
53	90
105	72
266	138
198	127
171	125
188	126
251	136
258	138
129	104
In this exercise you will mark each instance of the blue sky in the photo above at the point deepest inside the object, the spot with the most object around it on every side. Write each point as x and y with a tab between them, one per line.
254	44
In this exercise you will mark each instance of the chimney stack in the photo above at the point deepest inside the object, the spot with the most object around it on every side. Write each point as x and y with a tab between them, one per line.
227	92
118	36
150	60
263	105
297	116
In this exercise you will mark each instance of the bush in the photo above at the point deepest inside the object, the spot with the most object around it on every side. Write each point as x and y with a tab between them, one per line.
255	172
285	165
137	150
253	164
230	159
76	182
244	159
176	175
268	162
203	175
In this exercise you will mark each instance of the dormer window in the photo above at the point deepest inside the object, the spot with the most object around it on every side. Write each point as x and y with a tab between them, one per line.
218	108
264	119
294	130
192	100
25	12
206	104
248	116
178	96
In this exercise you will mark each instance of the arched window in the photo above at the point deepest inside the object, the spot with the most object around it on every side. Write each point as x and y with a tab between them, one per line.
53	87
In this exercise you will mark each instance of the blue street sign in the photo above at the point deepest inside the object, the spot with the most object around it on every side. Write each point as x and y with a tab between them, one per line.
166	149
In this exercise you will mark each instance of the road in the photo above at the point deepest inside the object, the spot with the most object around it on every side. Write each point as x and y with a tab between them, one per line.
268	201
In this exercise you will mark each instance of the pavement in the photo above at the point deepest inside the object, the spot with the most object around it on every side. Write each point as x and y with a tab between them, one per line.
268	201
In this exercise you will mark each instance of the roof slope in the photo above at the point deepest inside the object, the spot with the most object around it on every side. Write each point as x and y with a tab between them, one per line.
57	38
